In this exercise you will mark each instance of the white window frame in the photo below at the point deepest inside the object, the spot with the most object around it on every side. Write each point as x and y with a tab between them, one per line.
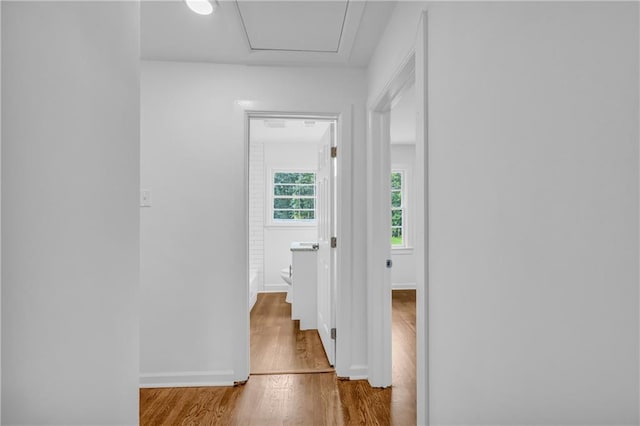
269	210
404	172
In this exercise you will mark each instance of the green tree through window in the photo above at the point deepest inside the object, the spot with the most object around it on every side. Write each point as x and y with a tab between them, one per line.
397	209
294	196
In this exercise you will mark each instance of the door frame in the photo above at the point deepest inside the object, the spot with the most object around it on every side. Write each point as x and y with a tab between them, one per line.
378	168
343	116
379	336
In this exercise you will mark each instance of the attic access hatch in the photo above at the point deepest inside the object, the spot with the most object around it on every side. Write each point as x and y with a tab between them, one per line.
300	26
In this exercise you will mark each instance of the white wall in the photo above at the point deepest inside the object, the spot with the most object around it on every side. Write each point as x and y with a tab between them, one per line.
403	273
256	219
0	212
533	213
70	217
193	238
277	238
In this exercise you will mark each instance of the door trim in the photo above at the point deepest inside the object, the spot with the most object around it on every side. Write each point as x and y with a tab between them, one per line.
379	338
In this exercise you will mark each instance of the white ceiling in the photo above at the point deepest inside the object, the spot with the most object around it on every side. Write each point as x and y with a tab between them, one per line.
298	32
269	130
403	118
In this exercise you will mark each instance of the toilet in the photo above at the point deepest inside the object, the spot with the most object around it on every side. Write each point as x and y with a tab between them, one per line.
285	273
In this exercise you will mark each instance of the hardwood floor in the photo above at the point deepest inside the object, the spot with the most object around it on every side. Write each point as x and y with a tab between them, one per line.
265	400
404	354
277	343
299	399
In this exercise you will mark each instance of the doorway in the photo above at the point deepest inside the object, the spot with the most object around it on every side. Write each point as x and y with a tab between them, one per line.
387	222
402	138
292	225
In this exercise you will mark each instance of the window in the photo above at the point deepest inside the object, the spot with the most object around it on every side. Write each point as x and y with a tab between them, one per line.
294	197
398	234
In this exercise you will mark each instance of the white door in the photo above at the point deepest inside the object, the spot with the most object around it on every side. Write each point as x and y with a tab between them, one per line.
325	186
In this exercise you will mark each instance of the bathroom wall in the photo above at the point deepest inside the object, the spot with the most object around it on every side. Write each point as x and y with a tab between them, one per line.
403	273
256	219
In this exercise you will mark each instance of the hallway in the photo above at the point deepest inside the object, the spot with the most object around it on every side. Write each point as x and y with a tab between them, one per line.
278	346
308	399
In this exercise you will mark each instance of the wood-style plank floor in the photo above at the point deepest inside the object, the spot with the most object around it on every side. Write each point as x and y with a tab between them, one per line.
277	343
404	354
299	399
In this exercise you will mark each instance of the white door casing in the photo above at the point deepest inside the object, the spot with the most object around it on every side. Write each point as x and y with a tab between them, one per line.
379	248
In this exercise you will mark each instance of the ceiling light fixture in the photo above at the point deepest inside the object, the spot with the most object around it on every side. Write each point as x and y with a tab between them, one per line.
201	7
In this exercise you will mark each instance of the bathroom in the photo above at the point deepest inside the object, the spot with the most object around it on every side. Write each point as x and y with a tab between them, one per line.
284	155
282	151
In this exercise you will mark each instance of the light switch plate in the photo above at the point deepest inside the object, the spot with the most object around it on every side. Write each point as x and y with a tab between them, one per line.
145	198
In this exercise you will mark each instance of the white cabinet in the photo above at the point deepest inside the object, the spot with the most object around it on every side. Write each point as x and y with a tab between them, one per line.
304	284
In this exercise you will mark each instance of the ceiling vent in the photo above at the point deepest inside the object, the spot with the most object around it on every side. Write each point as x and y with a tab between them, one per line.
275	123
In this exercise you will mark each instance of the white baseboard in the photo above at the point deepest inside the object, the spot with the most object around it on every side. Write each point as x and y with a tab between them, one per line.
252	300
275	288
358	372
403	286
187	379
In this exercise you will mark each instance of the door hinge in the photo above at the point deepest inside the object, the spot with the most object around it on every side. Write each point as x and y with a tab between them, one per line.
334	151
334	242
333	333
